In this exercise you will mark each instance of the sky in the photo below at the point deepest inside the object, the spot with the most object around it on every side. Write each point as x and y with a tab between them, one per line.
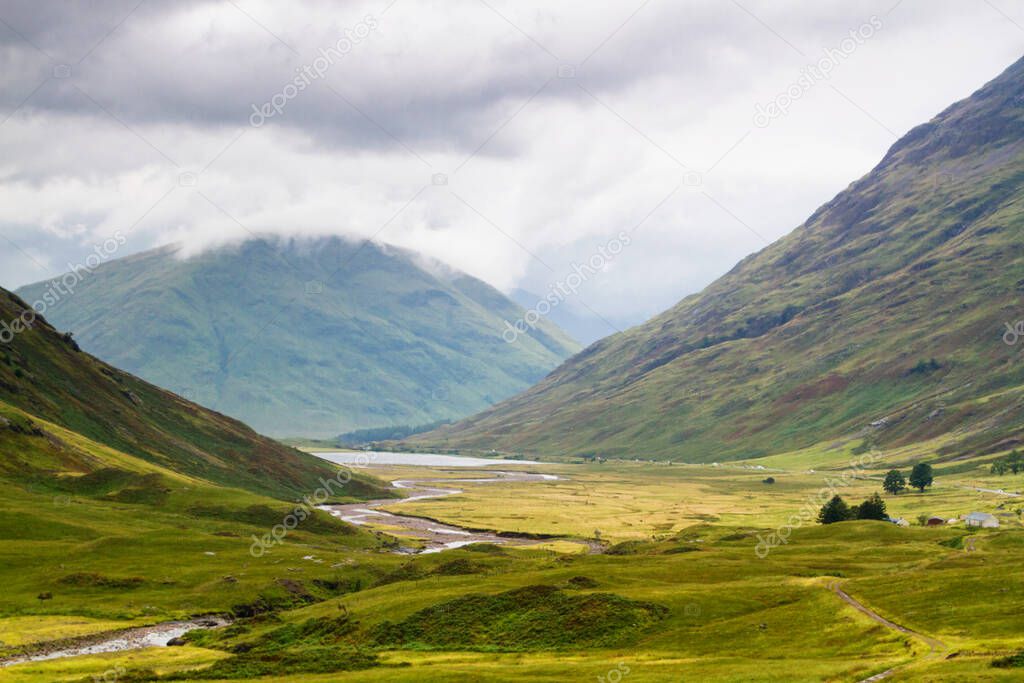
516	141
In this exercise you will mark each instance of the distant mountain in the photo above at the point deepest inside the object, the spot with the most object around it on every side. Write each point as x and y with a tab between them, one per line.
884	316
309	338
63	412
582	325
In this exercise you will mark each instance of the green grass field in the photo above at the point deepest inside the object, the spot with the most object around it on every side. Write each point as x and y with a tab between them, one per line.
681	594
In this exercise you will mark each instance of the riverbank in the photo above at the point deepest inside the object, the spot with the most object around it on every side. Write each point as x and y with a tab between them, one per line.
431	535
157	635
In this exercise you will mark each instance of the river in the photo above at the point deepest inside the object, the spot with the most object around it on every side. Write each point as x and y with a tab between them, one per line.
435	536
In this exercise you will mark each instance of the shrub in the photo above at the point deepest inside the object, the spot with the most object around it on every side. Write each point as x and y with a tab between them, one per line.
1014	462
924	367
91	580
1012	662
582	582
872	508
836	510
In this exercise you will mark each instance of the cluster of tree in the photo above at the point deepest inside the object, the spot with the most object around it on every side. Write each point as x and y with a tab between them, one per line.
836	510
921	477
1014	462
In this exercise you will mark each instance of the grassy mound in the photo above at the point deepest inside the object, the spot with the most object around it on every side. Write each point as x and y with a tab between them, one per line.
531	618
1012	662
92	580
322	645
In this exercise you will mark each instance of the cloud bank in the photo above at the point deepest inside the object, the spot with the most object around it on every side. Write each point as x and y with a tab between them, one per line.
507	139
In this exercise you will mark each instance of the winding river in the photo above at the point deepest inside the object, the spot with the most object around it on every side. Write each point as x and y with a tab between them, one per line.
435	536
158	635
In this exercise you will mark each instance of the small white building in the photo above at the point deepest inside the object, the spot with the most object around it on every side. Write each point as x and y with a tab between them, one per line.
982	519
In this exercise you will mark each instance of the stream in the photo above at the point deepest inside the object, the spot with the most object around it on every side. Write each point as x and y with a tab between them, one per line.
158	635
435	536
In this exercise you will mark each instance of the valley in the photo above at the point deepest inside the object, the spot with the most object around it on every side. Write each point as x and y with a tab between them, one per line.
682	538
277	438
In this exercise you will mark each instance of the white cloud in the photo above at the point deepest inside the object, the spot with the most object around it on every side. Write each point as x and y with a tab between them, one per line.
551	174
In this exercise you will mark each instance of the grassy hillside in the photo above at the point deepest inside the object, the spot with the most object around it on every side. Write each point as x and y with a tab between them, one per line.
680	594
123	505
309	338
44	377
883	314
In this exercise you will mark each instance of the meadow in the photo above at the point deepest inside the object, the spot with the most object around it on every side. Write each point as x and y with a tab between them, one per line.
680	591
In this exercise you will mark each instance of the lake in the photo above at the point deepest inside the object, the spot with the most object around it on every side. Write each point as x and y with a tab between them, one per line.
364	458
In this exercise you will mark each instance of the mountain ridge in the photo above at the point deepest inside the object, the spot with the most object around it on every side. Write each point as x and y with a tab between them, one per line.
693	383
309	338
44	375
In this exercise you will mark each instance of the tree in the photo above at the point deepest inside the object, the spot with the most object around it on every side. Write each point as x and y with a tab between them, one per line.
769	480
921	476
872	508
894	482
834	511
1015	461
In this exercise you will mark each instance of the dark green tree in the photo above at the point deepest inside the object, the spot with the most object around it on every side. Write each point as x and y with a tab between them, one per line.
1000	467
921	476
872	508
894	482
834	511
1015	461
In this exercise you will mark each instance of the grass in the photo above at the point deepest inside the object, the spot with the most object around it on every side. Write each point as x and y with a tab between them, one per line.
687	597
638	501
18	631
529	618
122	505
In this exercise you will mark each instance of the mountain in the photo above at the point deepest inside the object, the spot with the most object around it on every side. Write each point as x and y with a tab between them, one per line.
63	412
883	316
582	325
308	338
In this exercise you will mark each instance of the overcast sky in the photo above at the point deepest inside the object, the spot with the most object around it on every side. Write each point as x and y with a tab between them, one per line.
507	138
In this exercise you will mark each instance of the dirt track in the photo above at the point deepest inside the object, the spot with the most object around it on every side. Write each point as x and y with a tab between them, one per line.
937	646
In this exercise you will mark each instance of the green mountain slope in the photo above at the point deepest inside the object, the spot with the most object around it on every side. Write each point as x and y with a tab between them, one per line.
115	422
308	338
122	504
882	316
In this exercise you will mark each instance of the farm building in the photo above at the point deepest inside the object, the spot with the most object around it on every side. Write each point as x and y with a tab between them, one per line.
982	519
